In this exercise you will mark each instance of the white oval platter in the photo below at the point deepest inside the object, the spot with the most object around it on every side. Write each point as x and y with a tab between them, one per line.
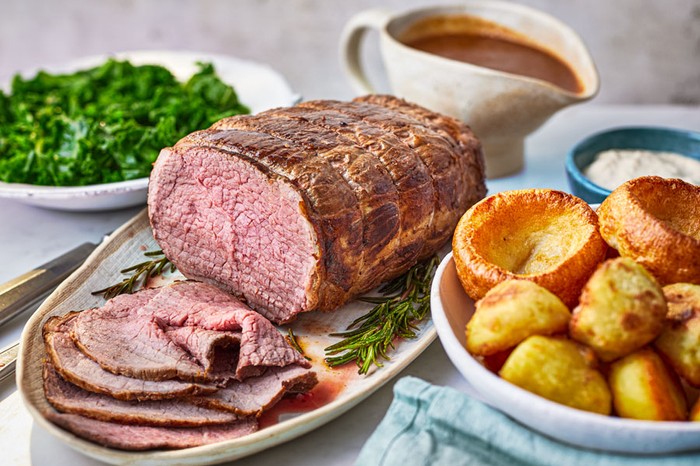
125	247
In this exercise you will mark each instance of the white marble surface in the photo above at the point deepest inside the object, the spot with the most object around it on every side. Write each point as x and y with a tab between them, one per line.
30	236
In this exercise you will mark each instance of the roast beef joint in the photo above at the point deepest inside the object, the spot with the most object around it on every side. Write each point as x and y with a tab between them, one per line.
304	208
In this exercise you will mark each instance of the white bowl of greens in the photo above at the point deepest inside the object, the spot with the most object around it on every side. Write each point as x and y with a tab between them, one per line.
83	135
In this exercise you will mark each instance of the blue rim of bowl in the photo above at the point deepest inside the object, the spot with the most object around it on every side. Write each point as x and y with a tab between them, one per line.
577	172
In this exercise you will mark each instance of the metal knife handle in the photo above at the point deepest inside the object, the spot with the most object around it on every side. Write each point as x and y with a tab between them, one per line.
8	361
28	289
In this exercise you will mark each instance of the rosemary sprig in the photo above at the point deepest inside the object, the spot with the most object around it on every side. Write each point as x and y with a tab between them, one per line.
292	340
406	302
140	273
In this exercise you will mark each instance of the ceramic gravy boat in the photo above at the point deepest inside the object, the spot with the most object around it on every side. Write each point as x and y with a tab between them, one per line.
502	108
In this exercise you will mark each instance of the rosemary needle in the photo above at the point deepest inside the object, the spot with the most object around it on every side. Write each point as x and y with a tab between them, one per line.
294	343
405	302
140	273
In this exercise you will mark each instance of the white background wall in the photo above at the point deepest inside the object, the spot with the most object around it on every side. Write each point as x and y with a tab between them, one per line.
647	51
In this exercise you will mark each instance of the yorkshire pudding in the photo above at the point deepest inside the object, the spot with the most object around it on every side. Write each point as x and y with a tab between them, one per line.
545	236
656	222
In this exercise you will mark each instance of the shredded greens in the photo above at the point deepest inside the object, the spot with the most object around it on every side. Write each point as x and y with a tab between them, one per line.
103	124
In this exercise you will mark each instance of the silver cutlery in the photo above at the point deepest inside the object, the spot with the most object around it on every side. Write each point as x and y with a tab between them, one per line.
20	294
8	360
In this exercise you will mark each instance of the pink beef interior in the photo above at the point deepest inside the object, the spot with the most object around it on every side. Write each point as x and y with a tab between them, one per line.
227	222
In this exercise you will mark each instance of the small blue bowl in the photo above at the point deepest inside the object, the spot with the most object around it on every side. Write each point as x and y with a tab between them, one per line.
638	138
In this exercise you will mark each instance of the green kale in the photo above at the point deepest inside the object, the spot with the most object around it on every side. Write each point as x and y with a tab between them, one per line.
103	124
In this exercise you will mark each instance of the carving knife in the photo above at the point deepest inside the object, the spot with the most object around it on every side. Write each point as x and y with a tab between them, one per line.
19	294
27	290
8	360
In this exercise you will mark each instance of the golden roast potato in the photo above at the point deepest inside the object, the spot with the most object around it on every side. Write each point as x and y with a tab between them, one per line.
643	387
679	342
559	370
622	308
542	235
512	311
656	222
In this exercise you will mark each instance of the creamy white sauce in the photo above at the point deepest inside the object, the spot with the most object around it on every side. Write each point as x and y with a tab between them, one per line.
611	168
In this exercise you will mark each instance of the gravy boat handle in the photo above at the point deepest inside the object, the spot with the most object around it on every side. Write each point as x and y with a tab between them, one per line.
350	46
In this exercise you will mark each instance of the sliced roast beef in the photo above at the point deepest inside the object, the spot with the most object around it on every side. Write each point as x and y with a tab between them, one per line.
215	351
82	371
255	395
115	373
264	209
69	398
137	437
178	332
196	304
129	344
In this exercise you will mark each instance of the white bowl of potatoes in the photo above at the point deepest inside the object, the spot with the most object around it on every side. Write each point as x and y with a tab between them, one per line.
554	370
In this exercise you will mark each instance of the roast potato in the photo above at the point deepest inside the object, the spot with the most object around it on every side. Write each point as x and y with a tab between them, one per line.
643	387
545	236
512	311
679	342
622	308
559	370
656	222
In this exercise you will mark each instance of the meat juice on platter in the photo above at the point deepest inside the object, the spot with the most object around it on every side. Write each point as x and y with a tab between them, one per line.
326	391
292	210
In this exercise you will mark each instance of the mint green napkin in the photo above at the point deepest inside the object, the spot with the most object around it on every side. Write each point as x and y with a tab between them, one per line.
429	425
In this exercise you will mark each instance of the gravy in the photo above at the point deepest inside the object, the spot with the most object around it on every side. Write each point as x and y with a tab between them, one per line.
497	51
